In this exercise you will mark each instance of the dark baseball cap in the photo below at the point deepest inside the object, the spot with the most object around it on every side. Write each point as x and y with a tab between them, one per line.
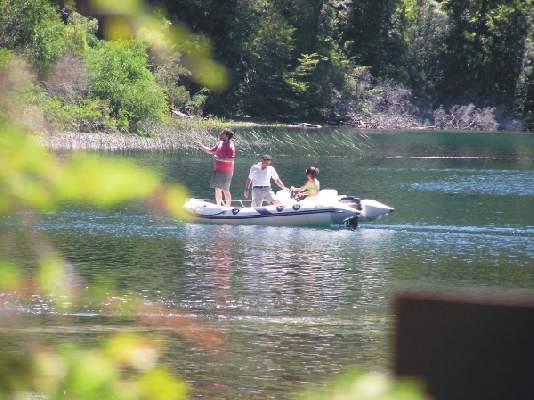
266	157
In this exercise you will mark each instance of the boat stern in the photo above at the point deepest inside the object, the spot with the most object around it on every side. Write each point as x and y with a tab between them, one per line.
372	209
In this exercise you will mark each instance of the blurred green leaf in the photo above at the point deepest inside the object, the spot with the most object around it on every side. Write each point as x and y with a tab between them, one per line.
123	7
356	384
92	374
174	199
49	370
103	373
159	384
9	276
15	366
23	166
104	182
53	280
132	351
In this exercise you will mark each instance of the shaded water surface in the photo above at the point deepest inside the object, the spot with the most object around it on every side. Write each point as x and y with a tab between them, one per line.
300	304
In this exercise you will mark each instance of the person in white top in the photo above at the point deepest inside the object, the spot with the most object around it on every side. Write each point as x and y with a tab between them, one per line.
259	178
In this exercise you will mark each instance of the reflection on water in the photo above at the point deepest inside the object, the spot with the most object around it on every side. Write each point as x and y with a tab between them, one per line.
299	304
515	183
277	270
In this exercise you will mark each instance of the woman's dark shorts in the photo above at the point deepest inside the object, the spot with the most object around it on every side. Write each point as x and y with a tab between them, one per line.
221	180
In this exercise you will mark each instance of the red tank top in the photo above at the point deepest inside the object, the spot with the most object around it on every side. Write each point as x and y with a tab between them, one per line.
224	150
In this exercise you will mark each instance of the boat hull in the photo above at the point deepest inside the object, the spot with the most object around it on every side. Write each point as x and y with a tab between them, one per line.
273	215
324	210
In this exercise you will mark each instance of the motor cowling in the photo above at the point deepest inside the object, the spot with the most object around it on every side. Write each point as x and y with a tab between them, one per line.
352	201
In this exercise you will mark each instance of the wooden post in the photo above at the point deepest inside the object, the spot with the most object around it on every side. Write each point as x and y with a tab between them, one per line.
466	346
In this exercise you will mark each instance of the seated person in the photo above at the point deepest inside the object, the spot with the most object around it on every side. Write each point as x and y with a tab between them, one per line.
311	187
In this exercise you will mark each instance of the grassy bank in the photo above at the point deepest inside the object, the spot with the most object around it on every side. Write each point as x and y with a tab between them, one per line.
159	136
250	137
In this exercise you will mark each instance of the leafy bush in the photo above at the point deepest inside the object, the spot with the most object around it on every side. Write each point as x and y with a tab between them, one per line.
195	106
118	72
86	115
24	92
61	107
80	33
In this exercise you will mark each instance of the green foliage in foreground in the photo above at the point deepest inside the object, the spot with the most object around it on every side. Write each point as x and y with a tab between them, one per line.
123	367
356	384
31	179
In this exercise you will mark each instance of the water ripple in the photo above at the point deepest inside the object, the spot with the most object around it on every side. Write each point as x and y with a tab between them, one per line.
515	183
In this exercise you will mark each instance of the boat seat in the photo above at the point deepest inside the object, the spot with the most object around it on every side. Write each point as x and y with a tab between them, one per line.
283	196
327	194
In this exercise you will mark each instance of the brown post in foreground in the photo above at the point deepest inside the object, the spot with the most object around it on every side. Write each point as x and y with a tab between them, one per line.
466	347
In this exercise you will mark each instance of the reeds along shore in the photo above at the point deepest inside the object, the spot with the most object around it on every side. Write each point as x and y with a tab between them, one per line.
249	140
110	142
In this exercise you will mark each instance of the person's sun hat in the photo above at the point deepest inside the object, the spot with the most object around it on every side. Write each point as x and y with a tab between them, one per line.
266	157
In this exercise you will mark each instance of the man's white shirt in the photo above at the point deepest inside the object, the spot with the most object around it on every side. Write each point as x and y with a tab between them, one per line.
262	177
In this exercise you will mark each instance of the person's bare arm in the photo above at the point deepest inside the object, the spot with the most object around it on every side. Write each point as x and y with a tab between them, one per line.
280	184
200	146
299	189
247	187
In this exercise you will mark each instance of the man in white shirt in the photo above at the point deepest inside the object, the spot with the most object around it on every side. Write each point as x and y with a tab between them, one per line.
259	178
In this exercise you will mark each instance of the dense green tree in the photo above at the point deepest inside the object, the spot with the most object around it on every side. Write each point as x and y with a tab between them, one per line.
291	58
424	30
304	85
373	35
119	73
305	17
247	36
524	97
269	55
484	51
228	24
318	77
528	102
297	57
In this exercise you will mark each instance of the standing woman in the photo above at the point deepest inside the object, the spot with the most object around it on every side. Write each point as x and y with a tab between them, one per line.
224	153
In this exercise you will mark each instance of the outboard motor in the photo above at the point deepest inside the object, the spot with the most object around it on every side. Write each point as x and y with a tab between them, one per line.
351	223
352	201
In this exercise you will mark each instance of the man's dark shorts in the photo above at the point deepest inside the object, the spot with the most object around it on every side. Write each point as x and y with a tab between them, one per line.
221	180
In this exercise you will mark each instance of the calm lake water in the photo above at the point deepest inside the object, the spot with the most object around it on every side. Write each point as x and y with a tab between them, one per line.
298	305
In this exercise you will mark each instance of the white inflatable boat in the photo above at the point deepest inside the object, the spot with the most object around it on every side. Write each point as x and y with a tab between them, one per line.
328	208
